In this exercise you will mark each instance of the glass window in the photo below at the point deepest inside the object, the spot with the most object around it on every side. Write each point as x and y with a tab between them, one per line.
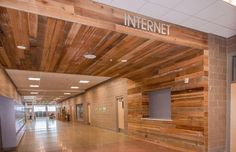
52	108
38	108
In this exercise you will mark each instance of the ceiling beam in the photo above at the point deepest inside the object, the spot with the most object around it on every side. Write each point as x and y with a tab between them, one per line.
90	13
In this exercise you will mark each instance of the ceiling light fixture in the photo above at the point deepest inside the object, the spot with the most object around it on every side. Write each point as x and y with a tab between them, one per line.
34	86
34	79
84	81
124	61
67	93
90	56
232	2
34	93
74	87
21	47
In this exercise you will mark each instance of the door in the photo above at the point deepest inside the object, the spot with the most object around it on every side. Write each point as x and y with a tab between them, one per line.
89	114
80	112
121	113
233	118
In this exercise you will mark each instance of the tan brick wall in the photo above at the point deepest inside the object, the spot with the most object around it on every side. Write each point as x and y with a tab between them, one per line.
103	95
217	94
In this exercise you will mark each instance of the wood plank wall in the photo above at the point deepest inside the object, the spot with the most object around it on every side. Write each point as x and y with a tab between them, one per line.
188	129
7	89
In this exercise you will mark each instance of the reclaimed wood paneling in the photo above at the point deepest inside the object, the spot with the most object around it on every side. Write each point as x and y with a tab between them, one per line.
90	13
188	129
58	33
54	45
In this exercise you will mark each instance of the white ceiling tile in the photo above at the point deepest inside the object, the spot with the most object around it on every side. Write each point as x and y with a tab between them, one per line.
214	11
218	30
166	3
225	33
175	17
211	16
226	21
192	7
194	23
153	10
128	4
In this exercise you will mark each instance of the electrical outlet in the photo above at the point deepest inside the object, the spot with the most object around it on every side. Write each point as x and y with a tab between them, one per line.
186	80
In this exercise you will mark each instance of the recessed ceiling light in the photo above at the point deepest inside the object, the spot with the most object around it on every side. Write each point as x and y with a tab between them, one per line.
84	81
124	61
21	47
90	56
34	86
74	87
34	79
34	93
232	2
67	93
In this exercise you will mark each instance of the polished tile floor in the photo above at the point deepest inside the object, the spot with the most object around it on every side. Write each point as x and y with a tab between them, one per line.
44	135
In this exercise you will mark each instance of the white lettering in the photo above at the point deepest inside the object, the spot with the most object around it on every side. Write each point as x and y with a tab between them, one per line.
131	20
157	27
150	25
146	24
138	21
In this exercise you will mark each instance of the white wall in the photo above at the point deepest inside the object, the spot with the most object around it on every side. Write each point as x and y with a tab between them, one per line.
7	114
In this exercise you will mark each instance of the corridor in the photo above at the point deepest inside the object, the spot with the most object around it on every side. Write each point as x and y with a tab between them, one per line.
44	135
117	75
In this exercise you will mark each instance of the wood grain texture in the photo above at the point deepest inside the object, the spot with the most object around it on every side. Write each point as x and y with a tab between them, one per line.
188	129
90	13
58	46
58	33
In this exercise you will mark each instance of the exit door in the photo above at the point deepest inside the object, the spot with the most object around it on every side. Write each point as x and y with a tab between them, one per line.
120	113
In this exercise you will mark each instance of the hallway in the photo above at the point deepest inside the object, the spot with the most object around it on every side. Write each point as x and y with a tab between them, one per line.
44	135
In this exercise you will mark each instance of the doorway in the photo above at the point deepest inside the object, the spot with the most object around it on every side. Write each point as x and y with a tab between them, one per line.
89	113
120	113
80	112
233	118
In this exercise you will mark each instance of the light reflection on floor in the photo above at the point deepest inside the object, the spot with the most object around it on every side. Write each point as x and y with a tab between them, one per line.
44	135
43	124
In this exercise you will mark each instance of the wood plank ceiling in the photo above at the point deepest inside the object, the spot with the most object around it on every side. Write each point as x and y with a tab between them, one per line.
54	45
